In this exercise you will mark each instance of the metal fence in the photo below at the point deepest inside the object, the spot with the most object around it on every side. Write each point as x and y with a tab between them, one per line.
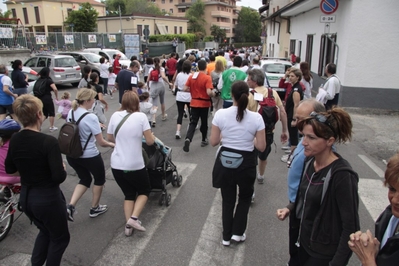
13	36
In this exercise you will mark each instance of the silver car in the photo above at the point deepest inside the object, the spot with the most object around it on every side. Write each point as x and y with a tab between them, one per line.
63	68
86	59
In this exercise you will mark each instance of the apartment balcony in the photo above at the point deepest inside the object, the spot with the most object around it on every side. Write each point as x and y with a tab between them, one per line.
221	14
223	25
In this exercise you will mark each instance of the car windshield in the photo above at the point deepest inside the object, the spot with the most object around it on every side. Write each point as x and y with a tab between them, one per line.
65	62
275	68
93	57
112	52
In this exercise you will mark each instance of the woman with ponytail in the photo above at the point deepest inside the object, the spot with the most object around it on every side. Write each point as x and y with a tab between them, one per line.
240	131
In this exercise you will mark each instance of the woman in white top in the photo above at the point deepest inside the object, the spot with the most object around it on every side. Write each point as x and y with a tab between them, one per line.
239	130
182	97
148	65
128	169
157	88
307	80
216	75
104	75
90	165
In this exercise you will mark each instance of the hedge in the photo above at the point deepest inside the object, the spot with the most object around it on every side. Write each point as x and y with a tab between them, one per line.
187	38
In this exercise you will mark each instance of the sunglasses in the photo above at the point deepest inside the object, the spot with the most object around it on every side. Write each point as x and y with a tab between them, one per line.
322	119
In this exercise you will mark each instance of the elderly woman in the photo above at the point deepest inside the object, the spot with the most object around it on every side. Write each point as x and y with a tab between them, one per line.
126	129
382	250
37	159
327	202
90	165
240	131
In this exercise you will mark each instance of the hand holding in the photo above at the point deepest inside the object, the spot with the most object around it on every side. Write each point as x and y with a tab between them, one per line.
365	246
282	213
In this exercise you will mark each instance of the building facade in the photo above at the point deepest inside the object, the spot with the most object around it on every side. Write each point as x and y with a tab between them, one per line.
47	15
359	36
223	13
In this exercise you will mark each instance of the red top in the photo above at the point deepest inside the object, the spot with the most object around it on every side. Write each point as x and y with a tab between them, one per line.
171	64
198	86
116	66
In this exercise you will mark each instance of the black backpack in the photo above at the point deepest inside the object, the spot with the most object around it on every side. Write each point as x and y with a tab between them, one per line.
39	89
269	111
69	138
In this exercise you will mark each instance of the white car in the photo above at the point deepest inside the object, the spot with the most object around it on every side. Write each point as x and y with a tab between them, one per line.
108	54
32	76
275	70
189	51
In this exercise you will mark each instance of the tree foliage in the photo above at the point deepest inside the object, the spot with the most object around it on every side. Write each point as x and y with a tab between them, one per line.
84	19
195	15
129	7
217	33
6	14
249	26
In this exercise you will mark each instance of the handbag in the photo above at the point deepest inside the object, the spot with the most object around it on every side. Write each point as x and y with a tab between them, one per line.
230	159
144	154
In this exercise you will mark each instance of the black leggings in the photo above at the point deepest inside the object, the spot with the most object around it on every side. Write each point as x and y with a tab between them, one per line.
86	167
180	110
293	131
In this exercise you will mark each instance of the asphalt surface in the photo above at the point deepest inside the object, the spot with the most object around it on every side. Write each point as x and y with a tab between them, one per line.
188	232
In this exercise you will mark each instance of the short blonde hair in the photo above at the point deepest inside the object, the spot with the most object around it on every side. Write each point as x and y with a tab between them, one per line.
84	94
26	107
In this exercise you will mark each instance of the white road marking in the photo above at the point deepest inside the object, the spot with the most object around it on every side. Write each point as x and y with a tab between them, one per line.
372	165
126	250
209	249
372	192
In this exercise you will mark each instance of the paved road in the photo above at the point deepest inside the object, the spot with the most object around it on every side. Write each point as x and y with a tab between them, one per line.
189	231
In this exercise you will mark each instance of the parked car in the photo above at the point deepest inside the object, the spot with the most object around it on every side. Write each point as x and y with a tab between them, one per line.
32	76
189	51
86	59
63	68
108	54
275	69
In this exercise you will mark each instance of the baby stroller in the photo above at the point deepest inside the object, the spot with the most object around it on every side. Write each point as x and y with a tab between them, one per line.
161	169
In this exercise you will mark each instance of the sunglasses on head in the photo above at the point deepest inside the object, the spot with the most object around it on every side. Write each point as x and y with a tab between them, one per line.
322	119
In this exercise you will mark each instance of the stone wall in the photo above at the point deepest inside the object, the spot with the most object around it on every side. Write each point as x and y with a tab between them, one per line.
7	56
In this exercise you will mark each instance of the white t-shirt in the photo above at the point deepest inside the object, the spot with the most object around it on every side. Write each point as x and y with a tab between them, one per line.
332	87
160	79
128	143
309	86
89	124
182	96
238	135
104	70
111	79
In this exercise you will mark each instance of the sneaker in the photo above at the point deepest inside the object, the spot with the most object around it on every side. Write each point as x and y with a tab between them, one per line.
153	123
253	198
260	178
100	209
287	151
164	117
204	143
239	239
53	128
112	97
286	147
178	135
128	230
225	243
136	224
197	127
70	211
285	158
186	147
185	114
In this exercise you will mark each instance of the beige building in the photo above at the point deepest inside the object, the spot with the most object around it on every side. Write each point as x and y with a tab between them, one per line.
223	13
136	23
47	15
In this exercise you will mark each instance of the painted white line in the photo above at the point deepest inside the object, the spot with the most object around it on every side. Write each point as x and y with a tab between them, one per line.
374	196
372	165
209	249
126	250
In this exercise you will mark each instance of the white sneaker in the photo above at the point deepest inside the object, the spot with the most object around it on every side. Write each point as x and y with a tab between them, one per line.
260	178
253	198
53	128
285	158
178	136
286	147
238	239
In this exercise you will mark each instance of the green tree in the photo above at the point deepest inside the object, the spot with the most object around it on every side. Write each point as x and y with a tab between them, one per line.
129	7
249	26
6	14
84	19
195	15
218	33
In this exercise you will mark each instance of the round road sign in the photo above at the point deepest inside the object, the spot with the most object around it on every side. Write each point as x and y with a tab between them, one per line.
328	6
146	32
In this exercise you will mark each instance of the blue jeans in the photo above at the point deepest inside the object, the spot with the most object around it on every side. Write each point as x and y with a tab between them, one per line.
20	91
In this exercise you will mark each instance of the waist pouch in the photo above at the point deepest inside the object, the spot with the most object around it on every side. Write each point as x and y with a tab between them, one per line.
230	159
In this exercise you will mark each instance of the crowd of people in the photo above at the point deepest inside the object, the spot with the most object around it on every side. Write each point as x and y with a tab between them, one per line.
324	226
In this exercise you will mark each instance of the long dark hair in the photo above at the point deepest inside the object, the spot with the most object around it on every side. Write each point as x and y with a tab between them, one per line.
304	66
156	63
44	72
93	79
240	92
86	71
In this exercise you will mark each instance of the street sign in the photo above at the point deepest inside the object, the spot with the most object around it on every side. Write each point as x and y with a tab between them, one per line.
328	7
325	19
146	32
327	28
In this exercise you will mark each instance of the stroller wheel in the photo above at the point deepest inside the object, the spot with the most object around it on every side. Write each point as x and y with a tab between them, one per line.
162	199
174	180
179	181
168	200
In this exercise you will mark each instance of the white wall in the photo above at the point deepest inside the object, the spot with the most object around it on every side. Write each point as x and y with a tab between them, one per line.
367	35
